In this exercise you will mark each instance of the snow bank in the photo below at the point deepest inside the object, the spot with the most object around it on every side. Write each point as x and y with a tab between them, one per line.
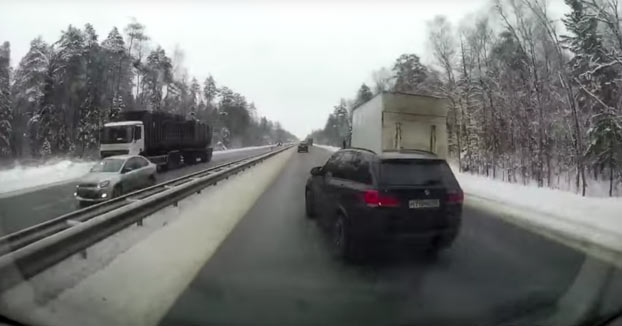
329	148
242	149
29	177
588	223
603	213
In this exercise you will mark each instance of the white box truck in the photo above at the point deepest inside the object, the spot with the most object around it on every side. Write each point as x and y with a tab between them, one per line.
394	121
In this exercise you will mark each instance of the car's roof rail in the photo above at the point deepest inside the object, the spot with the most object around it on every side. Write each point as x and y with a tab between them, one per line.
362	149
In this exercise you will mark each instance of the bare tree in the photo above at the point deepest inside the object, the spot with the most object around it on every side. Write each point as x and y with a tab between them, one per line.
383	80
137	40
443	46
539	10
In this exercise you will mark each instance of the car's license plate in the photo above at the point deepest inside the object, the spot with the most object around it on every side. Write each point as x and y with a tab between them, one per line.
423	203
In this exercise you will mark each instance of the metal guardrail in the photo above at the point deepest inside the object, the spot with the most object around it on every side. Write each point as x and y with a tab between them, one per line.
29	251
21	238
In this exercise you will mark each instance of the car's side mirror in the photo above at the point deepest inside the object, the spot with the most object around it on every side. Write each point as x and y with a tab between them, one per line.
125	170
317	171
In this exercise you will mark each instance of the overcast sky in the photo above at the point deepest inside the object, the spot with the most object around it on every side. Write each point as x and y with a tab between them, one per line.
293	59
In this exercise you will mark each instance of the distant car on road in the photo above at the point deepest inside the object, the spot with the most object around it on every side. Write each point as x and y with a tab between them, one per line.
113	176
365	199
303	146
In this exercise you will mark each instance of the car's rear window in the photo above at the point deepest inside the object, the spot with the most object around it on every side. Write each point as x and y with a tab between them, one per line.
416	173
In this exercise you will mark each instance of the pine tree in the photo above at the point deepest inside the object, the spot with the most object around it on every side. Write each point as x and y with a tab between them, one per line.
592	67
90	115
363	95
67	87
605	146
410	73
27	89
159	74
5	101
46	149
117	68
590	64
49	127
194	95
210	90
30	76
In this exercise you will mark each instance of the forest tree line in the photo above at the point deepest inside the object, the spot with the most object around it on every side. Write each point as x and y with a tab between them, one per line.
528	103
60	95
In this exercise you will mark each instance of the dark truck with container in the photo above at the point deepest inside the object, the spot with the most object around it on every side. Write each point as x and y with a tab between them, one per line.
165	139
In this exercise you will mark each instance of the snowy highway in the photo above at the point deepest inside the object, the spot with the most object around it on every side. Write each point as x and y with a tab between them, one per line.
30	208
275	267
243	252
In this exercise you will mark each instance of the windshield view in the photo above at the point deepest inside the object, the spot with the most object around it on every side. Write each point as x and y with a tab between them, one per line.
115	135
377	162
108	165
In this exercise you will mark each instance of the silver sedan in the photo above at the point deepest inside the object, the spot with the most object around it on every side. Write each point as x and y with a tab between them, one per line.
114	176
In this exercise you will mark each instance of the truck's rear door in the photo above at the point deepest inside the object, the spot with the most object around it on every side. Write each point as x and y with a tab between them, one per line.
407	131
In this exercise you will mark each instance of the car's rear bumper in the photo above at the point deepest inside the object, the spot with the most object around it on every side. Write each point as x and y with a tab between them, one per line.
385	226
303	149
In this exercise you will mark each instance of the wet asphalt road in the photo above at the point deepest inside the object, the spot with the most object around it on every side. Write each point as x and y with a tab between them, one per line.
21	211
275	268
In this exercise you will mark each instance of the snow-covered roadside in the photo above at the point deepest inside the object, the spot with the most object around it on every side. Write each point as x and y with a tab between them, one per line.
28	178
595	213
22	179
329	148
242	149
587	223
591	224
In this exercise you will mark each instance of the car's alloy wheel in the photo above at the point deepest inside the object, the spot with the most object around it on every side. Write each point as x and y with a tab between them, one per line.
344	246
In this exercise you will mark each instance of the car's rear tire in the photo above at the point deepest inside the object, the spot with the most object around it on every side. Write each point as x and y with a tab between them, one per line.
344	245
309	204
152	181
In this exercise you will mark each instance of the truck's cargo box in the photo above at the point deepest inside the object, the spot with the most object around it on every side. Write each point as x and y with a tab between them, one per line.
165	132
393	121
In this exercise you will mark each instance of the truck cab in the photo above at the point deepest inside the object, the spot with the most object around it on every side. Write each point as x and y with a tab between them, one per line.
122	138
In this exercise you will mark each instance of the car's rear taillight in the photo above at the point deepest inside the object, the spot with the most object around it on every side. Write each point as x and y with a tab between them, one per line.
375	199
456	197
